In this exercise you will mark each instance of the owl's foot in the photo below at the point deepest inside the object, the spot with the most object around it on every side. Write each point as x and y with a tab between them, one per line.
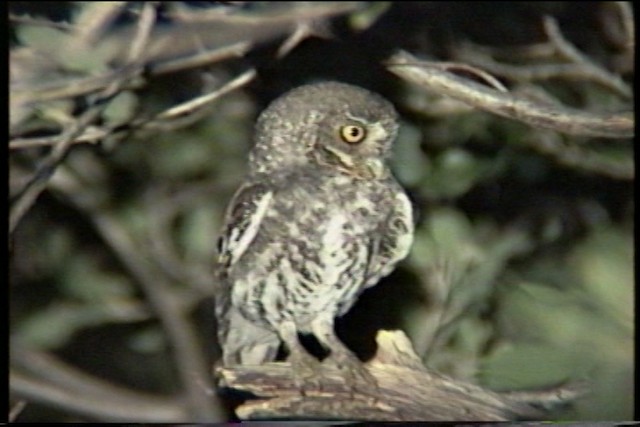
356	376
306	371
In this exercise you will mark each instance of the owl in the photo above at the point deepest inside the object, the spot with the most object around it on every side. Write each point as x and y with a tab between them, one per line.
318	219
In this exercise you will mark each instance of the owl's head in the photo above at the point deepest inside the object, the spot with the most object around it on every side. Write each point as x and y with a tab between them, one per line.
330	125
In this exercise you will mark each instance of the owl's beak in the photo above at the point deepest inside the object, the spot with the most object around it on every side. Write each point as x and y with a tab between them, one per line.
375	168
367	168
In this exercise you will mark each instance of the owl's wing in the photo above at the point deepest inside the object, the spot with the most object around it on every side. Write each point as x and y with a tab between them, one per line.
394	242
241	342
242	221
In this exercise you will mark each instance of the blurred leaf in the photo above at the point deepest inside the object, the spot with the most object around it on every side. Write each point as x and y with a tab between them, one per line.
120	109
576	324
41	38
73	57
85	280
445	231
48	254
59	112
604	262
455	171
362	19
53	327
408	162
181	157
461	356
525	366
200	230
148	341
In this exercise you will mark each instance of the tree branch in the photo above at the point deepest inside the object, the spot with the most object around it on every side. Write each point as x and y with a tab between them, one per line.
431	75
406	392
48	165
102	408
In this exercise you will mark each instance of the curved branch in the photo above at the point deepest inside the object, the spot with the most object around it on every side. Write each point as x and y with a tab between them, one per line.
431	76
112	408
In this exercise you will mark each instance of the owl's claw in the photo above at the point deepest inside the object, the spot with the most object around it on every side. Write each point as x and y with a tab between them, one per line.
306	371
356	376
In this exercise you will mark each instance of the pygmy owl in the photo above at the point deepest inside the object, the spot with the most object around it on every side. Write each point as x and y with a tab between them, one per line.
318	220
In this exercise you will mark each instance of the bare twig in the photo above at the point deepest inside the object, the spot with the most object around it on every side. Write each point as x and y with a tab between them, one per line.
49	368
204	100
618	26
283	14
628	23
532	72
189	358
114	408
22	93
68	88
580	157
54	373
169	50
16	410
90	135
163	120
302	31
481	74
563	119
574	64
167	304
406	392
208	56
28	20
94	19
589	68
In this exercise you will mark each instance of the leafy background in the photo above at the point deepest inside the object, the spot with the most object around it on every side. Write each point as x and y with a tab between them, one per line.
521	275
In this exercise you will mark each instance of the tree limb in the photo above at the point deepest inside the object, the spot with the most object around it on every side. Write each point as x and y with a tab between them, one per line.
431	75
406	392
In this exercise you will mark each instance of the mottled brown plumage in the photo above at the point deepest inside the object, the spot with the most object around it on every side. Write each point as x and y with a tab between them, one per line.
318	219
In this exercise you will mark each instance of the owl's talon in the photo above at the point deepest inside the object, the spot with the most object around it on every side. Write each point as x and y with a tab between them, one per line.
356	376
306	372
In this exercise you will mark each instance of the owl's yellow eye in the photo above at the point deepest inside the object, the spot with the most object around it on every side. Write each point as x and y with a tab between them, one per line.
353	134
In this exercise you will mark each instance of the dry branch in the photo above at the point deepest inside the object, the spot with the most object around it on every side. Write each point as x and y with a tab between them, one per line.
47	166
406	392
112	408
432	76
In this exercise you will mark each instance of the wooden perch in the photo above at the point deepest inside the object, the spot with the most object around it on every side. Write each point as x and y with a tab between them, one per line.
406	392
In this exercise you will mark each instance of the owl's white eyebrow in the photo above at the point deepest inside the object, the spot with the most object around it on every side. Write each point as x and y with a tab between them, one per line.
357	119
377	132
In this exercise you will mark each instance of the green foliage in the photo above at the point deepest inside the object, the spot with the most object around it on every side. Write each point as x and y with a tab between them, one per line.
577	328
74	57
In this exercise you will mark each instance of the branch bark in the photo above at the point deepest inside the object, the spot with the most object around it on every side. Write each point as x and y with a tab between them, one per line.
406	392
434	77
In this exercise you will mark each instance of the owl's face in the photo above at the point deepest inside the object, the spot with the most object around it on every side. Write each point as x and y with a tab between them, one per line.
332	125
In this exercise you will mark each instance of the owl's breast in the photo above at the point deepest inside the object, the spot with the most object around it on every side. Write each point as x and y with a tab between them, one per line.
312	251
